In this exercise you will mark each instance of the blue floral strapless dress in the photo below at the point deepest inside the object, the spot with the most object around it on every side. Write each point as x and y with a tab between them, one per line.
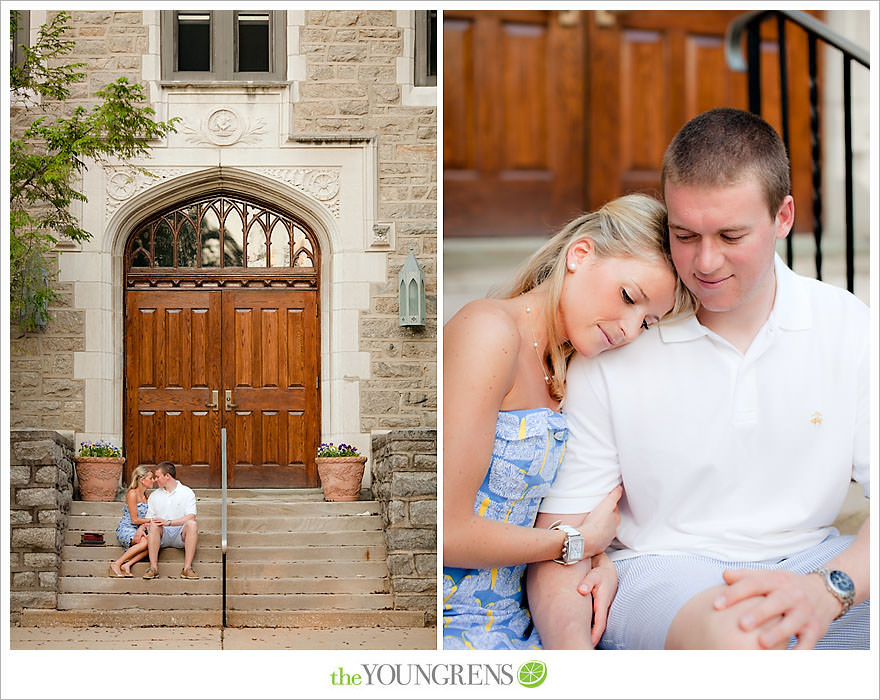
126	529
483	608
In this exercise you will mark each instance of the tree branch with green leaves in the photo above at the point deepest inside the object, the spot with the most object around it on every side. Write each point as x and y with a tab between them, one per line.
52	152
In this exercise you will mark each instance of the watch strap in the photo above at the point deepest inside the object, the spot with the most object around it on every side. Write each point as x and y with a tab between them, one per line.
570	533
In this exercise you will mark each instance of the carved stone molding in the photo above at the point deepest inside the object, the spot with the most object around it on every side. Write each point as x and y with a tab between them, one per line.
124	182
322	184
382	235
224	127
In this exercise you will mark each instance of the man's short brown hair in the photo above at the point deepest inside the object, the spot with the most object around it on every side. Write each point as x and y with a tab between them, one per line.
723	147
167	468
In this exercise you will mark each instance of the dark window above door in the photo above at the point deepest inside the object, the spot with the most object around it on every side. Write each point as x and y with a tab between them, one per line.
223	45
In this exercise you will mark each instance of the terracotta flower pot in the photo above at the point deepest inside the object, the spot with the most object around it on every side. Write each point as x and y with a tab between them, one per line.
98	477
341	477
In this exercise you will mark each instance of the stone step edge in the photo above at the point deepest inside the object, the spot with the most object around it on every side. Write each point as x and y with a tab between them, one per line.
32	617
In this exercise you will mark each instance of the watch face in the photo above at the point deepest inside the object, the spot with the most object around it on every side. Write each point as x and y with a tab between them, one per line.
842	582
575	548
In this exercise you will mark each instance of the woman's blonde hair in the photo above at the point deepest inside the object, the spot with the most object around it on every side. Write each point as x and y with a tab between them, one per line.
136	476
632	226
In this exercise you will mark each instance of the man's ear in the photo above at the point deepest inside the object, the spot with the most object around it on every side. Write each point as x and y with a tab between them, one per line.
785	217
579	252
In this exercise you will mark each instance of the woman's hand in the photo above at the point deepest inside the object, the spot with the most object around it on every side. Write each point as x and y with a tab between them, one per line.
138	534
601	583
600	525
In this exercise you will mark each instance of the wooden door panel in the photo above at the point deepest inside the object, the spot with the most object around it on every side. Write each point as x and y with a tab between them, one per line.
172	363
262	346
645	83
513	110
270	398
271	370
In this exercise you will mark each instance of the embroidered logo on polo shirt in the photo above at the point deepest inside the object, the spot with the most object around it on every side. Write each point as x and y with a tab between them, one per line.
816	418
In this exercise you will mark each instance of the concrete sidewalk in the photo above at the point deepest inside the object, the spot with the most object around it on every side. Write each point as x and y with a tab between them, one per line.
214	638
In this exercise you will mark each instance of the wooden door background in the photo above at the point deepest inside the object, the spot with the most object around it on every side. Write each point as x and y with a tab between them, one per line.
171	367
262	346
548	113
513	115
270	362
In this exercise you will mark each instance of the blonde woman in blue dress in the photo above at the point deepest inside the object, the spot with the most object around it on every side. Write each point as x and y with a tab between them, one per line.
131	530
595	286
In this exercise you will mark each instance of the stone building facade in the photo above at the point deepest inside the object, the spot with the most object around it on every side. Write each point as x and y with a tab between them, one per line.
337	136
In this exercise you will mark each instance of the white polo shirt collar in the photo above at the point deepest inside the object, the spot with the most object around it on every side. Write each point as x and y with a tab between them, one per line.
791	310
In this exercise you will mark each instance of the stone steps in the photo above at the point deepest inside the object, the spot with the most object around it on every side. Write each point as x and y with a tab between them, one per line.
239	554
252	570
172	584
238	507
292	560
239	538
212	601
274	523
201	618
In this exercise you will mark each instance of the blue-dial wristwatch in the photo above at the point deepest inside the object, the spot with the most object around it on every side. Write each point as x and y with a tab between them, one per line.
840	585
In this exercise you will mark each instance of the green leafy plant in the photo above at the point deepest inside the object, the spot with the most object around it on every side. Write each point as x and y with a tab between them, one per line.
50	155
99	449
328	449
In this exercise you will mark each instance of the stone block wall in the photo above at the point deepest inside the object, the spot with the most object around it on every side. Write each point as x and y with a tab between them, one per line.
41	489
351	88
405	484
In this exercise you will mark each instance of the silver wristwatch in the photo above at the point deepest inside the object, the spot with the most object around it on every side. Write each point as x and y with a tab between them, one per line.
840	585
573	547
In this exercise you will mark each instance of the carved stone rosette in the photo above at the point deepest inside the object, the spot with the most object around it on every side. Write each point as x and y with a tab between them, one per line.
124	182
224	127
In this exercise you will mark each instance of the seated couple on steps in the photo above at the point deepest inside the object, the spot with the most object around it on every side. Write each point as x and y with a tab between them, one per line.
166	519
657	383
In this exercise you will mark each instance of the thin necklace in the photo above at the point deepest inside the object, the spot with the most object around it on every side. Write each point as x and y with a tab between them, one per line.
535	345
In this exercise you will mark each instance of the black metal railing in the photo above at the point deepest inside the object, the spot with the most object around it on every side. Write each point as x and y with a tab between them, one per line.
750	24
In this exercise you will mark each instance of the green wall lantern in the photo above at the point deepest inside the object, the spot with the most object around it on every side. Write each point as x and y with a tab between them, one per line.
411	289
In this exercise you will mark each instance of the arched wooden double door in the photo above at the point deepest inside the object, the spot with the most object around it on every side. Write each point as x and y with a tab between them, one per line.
222	330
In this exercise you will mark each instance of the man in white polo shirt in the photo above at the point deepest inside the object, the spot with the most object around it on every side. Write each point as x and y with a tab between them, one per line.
171	510
735	433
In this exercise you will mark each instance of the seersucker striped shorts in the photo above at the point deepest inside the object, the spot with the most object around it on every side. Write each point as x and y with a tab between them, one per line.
653	588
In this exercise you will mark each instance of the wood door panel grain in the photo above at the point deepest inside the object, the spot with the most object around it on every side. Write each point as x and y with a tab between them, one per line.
172	363
459	111
172	399
272	373
513	115
262	345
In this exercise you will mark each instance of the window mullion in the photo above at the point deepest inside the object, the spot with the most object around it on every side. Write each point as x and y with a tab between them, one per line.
223	49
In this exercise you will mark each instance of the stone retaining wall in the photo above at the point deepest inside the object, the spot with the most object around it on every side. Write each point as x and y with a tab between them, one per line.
41	488
405	484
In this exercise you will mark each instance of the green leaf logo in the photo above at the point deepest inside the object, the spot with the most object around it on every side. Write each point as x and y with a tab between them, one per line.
532	673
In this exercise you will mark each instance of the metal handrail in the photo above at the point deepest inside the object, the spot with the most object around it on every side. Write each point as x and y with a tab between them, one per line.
223	543
750	23
733	42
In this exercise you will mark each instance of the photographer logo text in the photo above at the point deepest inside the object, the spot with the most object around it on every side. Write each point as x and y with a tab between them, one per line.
531	674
